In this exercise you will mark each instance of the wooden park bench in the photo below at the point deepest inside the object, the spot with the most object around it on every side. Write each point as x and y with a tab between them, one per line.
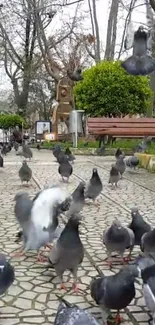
121	127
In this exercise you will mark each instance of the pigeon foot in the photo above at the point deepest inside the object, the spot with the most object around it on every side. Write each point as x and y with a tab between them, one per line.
63	287
127	258
118	319
48	246
109	263
19	254
41	258
75	286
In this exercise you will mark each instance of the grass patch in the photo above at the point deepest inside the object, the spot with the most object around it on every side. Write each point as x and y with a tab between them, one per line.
120	143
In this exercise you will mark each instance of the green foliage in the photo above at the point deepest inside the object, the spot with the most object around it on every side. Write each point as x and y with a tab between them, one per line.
10	121
108	88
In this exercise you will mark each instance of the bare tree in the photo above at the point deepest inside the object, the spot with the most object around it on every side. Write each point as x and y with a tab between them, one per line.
49	45
94	38
24	26
18	39
111	30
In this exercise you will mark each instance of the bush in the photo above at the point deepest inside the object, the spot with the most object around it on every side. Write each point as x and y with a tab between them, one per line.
108	88
10	121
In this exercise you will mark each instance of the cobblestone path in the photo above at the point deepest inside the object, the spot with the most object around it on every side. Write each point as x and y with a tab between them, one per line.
32	298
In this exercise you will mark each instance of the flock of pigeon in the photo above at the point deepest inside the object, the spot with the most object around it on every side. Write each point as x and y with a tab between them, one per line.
40	227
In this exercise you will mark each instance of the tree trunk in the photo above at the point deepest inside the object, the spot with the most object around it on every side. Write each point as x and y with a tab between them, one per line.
111	31
151	25
97	34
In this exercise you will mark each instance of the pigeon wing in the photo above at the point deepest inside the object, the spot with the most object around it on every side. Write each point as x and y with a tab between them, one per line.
54	254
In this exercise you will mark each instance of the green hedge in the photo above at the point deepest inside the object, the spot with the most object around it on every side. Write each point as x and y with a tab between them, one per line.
108	88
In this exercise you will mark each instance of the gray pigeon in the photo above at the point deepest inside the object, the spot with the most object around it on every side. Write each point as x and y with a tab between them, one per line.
56	150
1	162
138	225
27	152
94	187
148	242
61	157
76	75
114	291
117	239
118	153
148	277
4	150
78	200
16	146
140	63
7	274
101	151
143	146
114	176
132	162
22	212
70	314
65	169
25	172
120	165
68	153
68	251
143	262
39	228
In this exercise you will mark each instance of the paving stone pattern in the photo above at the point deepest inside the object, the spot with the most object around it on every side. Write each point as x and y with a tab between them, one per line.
32	298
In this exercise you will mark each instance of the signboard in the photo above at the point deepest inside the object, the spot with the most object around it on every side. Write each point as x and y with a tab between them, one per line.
50	136
43	127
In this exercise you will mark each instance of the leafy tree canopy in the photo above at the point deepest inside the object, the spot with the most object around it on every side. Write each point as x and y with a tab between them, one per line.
108	89
10	121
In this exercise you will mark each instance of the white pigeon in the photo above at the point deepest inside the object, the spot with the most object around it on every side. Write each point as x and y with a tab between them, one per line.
43	221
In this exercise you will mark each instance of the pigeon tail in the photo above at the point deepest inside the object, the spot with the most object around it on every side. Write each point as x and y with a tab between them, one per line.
135	65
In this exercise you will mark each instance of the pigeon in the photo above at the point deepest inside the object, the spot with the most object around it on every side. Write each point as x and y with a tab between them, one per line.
4	150
78	199
22	212
114	175
38	146
1	161
100	151
65	169
56	150
94	187
114	291
68	251
25	172
120	164
117	239
143	146
139	63
75	75
132	162
16	146
148	277
27	152
40	225
138	225
9	147
61	156
70	314
148	242
70	155
143	262
118	153
7	274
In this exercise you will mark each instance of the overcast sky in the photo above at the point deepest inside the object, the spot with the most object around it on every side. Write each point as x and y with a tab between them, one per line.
102	12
